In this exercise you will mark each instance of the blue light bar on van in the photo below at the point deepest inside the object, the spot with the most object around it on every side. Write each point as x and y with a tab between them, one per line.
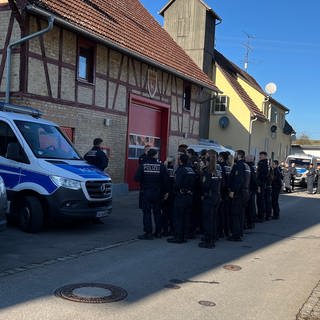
8	107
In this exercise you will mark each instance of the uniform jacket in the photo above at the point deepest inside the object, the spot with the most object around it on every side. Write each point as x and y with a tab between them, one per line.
185	181
263	173
153	178
97	158
211	187
276	178
240	179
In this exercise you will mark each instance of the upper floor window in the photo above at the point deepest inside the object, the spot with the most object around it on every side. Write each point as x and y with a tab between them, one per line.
220	104
187	96
86	54
273	114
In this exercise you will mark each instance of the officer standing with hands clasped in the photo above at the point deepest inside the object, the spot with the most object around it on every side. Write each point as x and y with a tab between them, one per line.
239	194
153	178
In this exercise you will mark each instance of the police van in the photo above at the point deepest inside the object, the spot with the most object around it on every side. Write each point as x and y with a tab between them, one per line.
45	177
302	162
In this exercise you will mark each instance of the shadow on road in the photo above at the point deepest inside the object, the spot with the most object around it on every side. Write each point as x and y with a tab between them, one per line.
58	247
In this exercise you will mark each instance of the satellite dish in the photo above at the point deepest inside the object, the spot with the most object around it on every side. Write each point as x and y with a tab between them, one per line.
270	88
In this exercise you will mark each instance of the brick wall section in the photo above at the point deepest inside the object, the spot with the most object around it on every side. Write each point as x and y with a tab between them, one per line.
85	106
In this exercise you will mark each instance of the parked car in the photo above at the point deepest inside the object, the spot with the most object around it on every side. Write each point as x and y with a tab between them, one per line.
3	204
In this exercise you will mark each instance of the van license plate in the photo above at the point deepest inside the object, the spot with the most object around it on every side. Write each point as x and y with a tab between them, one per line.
102	213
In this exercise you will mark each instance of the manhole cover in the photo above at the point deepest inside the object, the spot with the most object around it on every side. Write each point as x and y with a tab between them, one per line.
172	286
91	293
232	267
207	303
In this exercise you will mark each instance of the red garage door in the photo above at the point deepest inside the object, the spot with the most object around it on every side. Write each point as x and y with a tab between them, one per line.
148	125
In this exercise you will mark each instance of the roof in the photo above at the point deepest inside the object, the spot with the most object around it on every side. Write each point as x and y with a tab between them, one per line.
128	27
231	72
234	69
288	129
202	2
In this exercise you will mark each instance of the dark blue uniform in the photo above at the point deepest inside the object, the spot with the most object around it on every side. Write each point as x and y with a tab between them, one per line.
264	196
251	211
211	197
239	185
224	207
153	178
184	188
276	182
167	205
97	158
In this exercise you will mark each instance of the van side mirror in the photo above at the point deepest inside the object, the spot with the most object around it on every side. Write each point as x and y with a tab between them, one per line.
13	152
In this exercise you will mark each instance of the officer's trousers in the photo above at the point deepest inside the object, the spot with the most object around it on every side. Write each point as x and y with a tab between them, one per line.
181	215
237	216
148	208
209	216
224	218
251	211
264	203
275	202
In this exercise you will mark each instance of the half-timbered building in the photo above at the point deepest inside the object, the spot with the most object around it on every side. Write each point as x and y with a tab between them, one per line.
106	69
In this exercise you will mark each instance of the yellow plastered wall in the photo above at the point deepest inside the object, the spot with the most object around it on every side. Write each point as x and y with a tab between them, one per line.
236	135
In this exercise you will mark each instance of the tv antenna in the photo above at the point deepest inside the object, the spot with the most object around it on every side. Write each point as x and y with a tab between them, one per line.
248	48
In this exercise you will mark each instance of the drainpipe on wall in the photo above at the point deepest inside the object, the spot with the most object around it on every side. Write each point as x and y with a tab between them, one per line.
252	120
13	44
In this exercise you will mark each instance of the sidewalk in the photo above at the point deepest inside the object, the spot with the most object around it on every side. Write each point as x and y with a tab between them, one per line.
311	309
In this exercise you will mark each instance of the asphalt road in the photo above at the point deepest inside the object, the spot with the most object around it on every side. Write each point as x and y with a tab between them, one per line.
279	263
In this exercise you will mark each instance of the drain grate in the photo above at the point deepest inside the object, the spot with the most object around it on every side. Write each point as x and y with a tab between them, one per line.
207	303
232	267
91	293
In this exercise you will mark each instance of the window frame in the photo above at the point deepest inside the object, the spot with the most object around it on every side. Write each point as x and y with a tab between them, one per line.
215	102
186	96
91	65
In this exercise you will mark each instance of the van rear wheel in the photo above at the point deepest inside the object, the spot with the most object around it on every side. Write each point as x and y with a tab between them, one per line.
31	215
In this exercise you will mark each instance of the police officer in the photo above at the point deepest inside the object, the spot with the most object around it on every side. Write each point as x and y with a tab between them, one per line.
167	204
96	156
311	175
224	207
276	178
142	159
264	188
210	186
184	188
239	194
152	176
251	212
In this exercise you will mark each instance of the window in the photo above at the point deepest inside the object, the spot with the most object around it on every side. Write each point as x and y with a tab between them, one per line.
220	104
274	115
137	143
86	61
187	97
10	146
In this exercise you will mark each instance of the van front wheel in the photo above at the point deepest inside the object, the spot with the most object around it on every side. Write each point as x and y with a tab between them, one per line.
31	214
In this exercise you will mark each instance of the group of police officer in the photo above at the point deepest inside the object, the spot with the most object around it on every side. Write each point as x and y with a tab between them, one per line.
216	195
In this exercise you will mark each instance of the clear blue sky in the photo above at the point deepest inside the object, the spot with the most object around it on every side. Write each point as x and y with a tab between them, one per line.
285	50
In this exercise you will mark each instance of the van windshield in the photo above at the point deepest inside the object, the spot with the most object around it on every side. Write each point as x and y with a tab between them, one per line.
300	163
47	141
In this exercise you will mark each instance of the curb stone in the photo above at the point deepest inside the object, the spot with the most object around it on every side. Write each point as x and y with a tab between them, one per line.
311	308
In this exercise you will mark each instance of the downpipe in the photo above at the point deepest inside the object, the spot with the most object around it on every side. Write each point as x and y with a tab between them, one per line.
15	43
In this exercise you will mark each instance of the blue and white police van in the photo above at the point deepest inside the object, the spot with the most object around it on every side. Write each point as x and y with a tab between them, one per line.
302	162
45	177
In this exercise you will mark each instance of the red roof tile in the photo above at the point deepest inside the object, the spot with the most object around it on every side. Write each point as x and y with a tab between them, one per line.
129	26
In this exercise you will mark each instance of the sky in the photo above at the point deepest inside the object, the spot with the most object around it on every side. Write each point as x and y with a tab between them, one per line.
285	49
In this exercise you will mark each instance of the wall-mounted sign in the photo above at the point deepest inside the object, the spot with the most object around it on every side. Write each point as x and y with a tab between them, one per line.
223	122
152	82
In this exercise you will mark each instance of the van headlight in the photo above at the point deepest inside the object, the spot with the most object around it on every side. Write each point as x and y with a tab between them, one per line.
66	183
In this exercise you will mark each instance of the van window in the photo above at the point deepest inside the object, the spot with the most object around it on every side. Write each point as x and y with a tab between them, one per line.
47	141
9	144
